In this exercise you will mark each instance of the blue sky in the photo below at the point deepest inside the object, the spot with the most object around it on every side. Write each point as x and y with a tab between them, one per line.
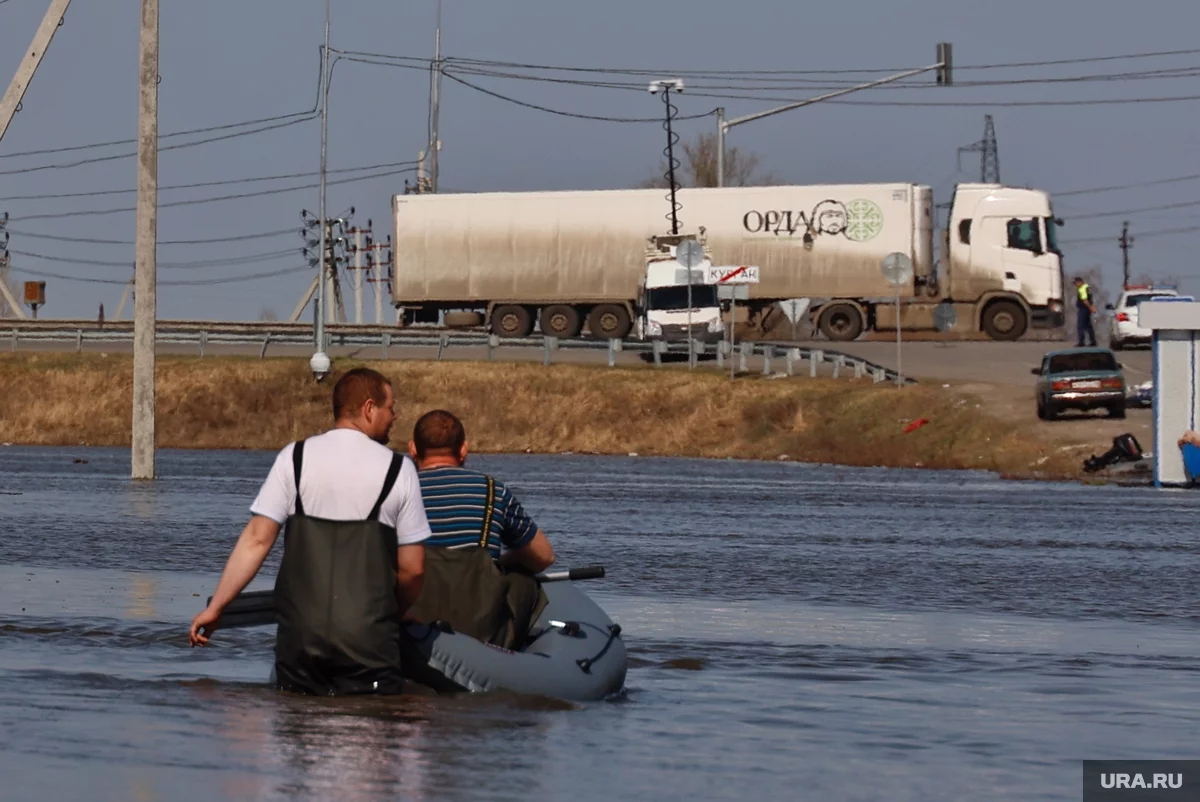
226	62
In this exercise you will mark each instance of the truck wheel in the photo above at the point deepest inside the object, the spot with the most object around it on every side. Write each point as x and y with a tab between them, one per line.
560	321
841	322
609	322
512	321
1004	320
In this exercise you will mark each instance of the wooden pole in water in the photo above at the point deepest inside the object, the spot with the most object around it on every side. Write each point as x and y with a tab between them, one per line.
145	301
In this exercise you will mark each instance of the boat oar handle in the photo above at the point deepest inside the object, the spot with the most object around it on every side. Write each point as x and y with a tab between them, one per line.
574	574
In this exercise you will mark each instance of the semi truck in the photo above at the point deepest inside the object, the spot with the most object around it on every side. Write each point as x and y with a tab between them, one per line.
564	260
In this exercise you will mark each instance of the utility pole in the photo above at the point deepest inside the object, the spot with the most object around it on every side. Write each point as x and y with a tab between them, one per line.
10	302
1126	243
721	146
144	303
11	103
435	93
319	364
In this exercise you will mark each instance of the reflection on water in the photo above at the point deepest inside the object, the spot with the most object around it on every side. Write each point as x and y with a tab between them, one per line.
795	632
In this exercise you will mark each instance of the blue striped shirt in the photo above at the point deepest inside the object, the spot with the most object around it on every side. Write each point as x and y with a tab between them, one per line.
455	504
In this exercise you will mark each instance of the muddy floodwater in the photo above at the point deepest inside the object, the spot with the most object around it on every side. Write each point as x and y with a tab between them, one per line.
795	632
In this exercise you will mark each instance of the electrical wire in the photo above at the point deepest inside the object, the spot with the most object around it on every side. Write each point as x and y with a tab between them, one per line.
575	115
1160	232
316	108
227	262
219	198
177	283
208	241
257	179
1136	185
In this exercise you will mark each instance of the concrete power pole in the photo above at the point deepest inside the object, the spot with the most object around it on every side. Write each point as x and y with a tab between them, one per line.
435	92
144	303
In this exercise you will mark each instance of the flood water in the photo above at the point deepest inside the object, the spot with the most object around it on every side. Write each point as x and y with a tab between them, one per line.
795	632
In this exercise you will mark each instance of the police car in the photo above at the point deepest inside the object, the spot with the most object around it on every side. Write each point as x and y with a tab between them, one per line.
1123	322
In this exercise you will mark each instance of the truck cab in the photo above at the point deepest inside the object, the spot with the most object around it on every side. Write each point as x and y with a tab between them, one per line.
663	296
1002	255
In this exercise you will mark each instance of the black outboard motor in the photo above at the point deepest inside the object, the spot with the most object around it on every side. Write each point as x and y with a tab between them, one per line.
1125	448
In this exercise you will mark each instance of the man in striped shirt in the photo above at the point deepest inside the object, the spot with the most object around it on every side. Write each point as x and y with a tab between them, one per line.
456	499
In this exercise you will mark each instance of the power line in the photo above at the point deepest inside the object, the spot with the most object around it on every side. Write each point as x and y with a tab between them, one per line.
206	130
1121	212
210	240
131	154
227	262
219	198
561	113
1136	185
1160	232
179	283
102	192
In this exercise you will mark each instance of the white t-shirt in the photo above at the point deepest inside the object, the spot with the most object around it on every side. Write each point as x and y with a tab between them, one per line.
341	478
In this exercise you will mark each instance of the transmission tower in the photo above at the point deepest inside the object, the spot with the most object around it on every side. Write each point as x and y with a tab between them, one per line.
989	161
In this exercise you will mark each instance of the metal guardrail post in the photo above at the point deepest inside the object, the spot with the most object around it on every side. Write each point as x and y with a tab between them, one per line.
815	358
768	352
203	341
79	341
492	342
614	345
550	344
385	340
879	375
837	365
262	352
793	356
859	367
14	339
660	348
443	341
746	351
722	347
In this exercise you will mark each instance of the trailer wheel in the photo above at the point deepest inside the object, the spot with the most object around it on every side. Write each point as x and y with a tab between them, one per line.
1004	320
841	322
512	321
560	321
609	322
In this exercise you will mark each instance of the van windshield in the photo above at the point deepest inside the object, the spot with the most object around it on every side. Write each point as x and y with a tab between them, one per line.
668	298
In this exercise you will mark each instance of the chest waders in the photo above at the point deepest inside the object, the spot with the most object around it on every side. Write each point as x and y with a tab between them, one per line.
336	604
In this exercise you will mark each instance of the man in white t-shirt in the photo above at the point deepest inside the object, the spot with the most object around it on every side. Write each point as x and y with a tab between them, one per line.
335	554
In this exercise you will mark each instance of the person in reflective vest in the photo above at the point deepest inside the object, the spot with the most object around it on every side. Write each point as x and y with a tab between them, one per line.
354	549
1084	307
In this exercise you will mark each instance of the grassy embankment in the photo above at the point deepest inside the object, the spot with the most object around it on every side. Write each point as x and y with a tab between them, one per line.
237	402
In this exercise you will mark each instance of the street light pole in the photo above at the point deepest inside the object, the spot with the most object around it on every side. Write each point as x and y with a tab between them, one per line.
943	68
320	360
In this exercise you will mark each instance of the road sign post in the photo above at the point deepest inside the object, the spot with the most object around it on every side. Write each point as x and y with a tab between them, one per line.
897	268
690	254
732	284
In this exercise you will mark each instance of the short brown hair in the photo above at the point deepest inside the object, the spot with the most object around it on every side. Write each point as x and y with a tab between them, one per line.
438	430
354	388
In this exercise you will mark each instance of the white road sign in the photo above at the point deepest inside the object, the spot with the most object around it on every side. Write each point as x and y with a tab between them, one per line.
731	274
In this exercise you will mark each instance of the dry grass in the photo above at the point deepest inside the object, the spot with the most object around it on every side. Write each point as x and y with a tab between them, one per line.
233	402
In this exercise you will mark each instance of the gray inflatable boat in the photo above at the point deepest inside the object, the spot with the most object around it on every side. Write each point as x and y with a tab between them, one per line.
574	650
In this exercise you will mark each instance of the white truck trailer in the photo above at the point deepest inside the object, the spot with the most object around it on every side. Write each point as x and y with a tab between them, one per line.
563	259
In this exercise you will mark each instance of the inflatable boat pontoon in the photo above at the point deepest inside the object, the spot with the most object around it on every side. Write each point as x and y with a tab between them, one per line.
574	651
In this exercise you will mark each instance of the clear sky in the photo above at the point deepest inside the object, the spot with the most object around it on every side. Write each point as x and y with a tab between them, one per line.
226	62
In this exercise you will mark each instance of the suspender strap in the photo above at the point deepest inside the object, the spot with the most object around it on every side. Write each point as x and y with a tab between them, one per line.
487	513
388	483
297	462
